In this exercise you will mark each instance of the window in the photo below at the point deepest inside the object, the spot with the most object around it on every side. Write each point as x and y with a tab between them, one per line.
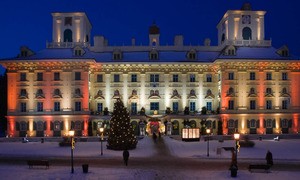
191	55
153	55
269	76
252	75
68	21
284	76
192	106
77	106
268	104
284	91
247	33
252	123
23	107
56	106
231	76
209	106
154	77
133	78
78	52
284	104
56	76
77	76
230	91
117	56
68	35
175	77
175	106
40	107
208	78
252	104
154	106
268	91
116	77
39	76
23	77
77	92
134	108
23	93
192	78
252	91
99	78
99	107
231	104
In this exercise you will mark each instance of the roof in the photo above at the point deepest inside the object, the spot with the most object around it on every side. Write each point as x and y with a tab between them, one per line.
249	53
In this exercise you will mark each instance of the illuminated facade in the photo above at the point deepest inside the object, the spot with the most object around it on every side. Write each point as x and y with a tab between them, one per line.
241	84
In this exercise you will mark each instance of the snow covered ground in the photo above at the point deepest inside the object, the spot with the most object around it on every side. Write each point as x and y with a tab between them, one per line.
283	150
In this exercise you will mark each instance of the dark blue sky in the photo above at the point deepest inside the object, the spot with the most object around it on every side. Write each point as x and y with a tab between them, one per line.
29	22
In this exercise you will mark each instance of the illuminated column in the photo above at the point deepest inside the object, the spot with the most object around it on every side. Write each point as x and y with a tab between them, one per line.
30	124
296	122
85	91
242	90
48	126
48	103
276	90
261	89
12	91
260	28
167	90
77	30
184	91
236	28
107	90
226	26
261	130
200	97
11	131
85	126
143	91
125	89
31	91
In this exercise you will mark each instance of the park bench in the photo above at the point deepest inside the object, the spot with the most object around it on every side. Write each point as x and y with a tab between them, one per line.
32	163
264	167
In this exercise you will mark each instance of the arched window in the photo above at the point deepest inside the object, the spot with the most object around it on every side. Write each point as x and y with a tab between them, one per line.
252	91
247	33
77	92
231	90
284	91
68	35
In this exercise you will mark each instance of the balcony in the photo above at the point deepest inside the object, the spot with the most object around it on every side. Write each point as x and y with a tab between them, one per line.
67	44
261	43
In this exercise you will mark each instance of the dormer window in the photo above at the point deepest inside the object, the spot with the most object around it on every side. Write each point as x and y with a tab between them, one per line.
230	51
283	51
153	55
25	52
117	55
78	51
191	55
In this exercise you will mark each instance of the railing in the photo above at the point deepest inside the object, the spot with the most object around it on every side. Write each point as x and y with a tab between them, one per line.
249	42
67	44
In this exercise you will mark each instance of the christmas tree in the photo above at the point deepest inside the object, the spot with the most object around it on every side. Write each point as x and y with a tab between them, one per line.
121	135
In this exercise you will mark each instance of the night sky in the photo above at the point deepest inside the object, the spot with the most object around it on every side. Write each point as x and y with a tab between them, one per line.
29	22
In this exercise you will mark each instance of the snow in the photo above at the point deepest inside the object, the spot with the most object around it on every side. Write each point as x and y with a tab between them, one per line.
283	150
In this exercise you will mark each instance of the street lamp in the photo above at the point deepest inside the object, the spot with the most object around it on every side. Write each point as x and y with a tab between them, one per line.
101	131
71	134
207	132
237	138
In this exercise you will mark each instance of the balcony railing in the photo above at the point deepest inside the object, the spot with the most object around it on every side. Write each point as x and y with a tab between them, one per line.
67	44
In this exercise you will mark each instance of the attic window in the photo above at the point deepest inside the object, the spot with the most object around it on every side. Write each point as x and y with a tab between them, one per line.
24	53
153	55
68	21
117	55
78	52
285	53
191	55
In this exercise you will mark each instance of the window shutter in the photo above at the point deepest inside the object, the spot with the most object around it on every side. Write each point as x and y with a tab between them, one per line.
17	126
95	126
51	125
236	124
34	125
61	125
290	123
248	124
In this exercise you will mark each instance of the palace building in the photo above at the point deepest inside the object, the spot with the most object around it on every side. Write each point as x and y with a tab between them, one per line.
241	84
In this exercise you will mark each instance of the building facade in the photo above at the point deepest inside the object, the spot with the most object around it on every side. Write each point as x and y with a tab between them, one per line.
242	84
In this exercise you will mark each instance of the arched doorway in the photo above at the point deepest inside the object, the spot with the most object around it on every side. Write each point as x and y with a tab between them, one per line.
247	33
68	34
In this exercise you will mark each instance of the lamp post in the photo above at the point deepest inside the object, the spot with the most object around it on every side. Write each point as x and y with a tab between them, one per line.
237	138
101	140
207	132
71	134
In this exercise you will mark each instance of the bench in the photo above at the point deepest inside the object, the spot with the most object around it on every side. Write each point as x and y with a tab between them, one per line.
32	163
265	167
